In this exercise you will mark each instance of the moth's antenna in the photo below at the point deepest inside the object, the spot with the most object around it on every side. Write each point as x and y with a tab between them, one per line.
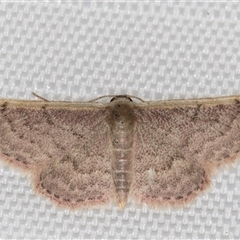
106	96
44	99
131	96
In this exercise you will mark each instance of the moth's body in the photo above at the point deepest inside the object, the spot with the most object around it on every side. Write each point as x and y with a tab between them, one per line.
84	154
122	123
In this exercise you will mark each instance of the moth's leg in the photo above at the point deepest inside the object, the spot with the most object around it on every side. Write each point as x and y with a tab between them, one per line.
44	99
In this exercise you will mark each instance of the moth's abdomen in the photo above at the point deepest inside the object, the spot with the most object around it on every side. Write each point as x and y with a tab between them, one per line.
122	126
122	166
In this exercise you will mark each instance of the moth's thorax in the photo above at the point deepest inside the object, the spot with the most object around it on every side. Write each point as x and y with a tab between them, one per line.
121	114
121	121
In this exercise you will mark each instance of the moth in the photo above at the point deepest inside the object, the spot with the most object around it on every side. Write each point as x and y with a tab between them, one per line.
81	154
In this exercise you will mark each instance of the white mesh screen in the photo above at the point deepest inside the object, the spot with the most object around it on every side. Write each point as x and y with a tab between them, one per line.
73	51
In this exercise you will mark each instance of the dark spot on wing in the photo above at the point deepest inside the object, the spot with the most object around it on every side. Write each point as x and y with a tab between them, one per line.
4	107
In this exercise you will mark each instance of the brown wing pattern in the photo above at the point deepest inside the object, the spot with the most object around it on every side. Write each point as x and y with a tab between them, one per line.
67	150
177	149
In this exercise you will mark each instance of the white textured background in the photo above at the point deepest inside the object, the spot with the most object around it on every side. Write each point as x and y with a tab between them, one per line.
152	50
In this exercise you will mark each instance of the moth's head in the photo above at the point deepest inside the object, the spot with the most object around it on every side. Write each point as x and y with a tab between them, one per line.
121	98
118	98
